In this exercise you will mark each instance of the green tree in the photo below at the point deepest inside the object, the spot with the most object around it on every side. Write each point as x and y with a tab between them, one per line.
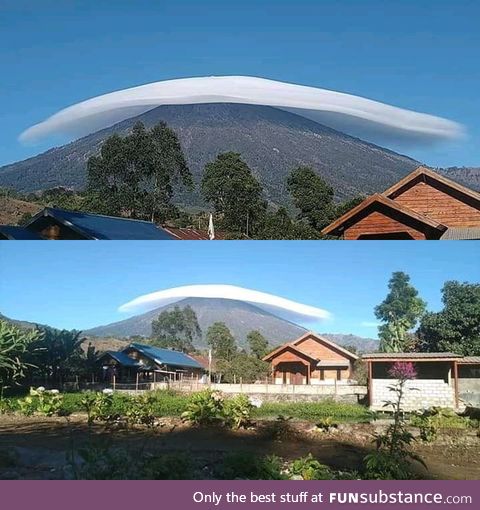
229	185
346	206
258	344
58	354
457	327
399	311
14	343
243	367
135	175
222	342
278	225
176	329
312	196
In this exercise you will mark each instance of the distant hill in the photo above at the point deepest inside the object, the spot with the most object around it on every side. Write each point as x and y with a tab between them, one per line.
271	141
12	211
468	176
240	317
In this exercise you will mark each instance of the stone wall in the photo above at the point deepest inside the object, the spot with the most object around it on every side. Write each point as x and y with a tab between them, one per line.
419	394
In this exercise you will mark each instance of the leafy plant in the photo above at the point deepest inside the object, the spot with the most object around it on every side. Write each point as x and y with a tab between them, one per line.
326	424
238	411
40	400
205	408
177	466
141	411
310	469
390	460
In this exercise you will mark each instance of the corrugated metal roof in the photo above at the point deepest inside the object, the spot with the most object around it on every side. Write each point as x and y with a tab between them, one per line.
192	234
166	356
123	358
18	233
97	226
410	355
470	359
461	233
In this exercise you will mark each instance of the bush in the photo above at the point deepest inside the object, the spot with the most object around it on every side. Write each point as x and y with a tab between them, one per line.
238	411
47	402
177	466
432	420
310	469
205	408
141	410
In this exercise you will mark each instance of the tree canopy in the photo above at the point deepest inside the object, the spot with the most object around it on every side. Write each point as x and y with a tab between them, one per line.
399	312
134	175
230	187
312	196
258	344
176	329
221	340
456	328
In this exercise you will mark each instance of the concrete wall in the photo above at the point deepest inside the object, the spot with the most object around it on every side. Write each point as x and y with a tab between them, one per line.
469	391
278	392
419	394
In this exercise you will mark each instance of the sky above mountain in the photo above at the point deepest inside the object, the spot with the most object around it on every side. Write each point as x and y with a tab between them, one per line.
82	285
415	55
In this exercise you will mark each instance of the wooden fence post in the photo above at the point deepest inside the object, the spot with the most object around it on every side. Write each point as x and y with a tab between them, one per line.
136	384
114	381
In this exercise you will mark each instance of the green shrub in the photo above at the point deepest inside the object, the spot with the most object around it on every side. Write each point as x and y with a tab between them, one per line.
436	418
310	469
140	410
47	402
205	408
238	411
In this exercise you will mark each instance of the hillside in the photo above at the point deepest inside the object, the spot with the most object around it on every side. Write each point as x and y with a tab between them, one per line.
12	211
468	176
271	141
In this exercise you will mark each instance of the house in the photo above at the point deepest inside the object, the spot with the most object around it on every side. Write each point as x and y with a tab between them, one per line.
443	380
311	359
58	224
153	363
423	205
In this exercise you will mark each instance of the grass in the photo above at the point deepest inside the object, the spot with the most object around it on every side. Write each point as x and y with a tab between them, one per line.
169	403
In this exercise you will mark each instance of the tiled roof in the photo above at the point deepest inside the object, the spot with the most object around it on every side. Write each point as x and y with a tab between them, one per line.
192	234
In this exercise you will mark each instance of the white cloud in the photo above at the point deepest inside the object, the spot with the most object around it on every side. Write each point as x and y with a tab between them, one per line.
261	299
326	106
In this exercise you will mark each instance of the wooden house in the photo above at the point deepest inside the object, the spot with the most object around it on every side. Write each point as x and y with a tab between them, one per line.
423	205
311	359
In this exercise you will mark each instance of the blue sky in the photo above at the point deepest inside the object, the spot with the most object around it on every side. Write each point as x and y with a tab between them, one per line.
419	55
81	285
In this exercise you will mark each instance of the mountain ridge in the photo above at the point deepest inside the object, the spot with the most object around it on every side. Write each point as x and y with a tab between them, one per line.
272	142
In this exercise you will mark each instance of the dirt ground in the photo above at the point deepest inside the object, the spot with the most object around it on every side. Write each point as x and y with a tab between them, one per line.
37	447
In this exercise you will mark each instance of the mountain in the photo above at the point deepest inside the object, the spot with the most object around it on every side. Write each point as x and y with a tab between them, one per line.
270	140
13	211
240	317
468	176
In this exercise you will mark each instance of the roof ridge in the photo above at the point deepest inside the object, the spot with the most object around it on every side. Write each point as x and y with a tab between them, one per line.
100	215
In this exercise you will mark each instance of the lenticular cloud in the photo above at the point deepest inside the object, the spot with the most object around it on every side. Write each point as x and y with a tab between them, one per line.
261	299
326	106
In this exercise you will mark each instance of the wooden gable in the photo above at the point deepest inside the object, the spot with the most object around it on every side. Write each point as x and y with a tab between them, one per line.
322	349
436	197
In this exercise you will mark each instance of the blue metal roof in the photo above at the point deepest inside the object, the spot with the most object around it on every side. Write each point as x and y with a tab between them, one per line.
19	233
97	226
123	359
166	356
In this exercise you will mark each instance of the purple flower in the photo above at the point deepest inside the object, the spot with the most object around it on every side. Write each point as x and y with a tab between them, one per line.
403	371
